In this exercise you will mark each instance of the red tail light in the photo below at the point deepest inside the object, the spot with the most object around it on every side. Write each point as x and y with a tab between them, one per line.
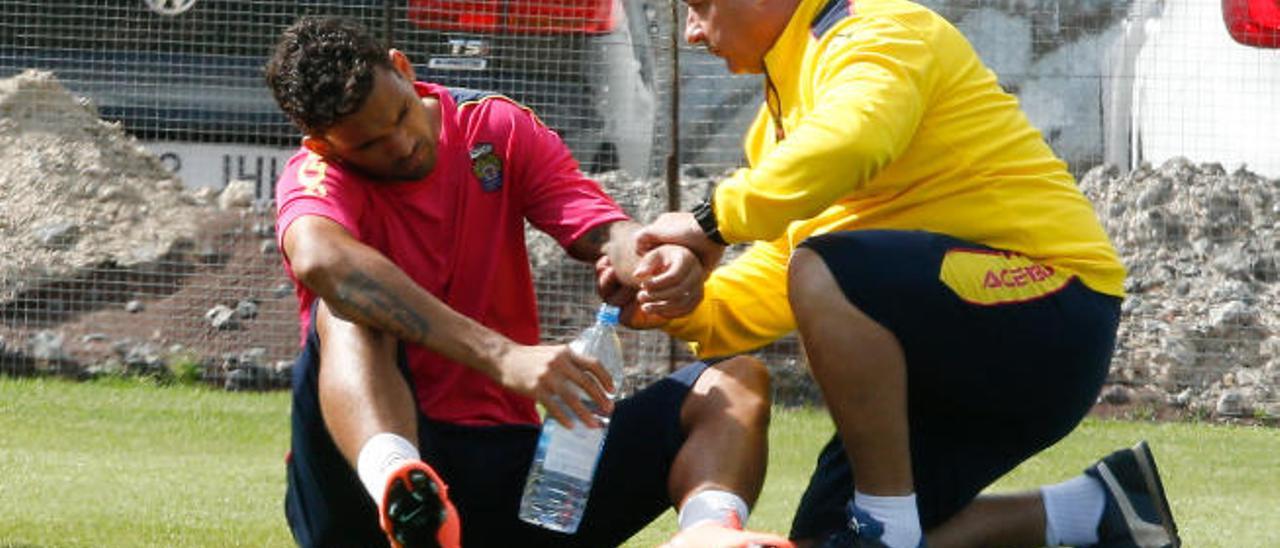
527	16
465	15
1253	22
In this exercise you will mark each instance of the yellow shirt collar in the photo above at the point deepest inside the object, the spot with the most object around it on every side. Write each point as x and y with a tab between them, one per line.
791	43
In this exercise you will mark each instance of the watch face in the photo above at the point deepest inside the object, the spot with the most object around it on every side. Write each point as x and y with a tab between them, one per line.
706	217
702	213
703	209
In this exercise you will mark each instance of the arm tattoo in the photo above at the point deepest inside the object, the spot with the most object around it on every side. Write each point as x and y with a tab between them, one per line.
379	306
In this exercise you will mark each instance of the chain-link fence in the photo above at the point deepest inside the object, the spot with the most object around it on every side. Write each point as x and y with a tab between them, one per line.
110	263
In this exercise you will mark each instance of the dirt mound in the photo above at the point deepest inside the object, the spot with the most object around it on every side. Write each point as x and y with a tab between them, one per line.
106	262
77	192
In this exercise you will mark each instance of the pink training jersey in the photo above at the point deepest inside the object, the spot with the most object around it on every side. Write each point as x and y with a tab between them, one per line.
459	233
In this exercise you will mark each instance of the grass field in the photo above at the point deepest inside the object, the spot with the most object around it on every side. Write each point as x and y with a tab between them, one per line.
124	463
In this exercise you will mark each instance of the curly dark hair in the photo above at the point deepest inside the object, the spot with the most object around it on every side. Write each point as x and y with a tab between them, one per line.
322	69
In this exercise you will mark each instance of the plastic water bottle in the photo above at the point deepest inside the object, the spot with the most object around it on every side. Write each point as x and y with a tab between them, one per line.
564	464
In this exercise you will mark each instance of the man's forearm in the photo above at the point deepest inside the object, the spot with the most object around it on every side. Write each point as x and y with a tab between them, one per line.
361	298
368	289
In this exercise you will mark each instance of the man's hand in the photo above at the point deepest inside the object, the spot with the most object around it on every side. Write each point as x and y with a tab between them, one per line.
612	290
680	228
670	281
556	377
610	286
616	240
671	287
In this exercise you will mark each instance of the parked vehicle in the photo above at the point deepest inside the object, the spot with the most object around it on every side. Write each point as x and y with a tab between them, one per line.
185	76
1199	79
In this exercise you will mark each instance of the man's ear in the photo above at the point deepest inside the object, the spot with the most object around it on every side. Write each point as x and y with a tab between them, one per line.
402	64
317	145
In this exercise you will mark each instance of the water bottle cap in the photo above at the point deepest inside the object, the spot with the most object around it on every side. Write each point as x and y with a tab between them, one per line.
608	314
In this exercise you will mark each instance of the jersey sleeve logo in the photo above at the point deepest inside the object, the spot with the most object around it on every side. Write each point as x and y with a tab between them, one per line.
987	277
487	167
311	176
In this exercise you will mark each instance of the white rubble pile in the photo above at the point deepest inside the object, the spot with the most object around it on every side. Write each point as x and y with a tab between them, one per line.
1201	324
77	192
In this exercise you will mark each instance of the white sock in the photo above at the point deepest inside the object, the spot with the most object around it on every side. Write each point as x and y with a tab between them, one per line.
1072	510
899	515
380	456
713	505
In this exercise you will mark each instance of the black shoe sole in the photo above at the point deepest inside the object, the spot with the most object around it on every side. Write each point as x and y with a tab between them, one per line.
1151	474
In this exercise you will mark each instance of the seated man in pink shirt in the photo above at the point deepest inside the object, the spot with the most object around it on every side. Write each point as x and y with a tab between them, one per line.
414	421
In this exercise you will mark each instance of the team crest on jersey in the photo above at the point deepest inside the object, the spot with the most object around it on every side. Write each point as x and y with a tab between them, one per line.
311	176
487	166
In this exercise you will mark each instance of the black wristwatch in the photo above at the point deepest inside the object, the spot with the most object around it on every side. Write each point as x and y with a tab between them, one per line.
705	214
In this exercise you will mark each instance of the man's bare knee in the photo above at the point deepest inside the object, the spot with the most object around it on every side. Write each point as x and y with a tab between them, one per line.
827	320
745	373
738	387
809	282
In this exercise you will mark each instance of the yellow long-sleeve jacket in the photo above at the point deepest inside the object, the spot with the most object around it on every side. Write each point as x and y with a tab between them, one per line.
888	120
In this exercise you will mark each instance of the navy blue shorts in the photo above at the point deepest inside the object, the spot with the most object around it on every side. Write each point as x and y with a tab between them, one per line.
485	468
1004	356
